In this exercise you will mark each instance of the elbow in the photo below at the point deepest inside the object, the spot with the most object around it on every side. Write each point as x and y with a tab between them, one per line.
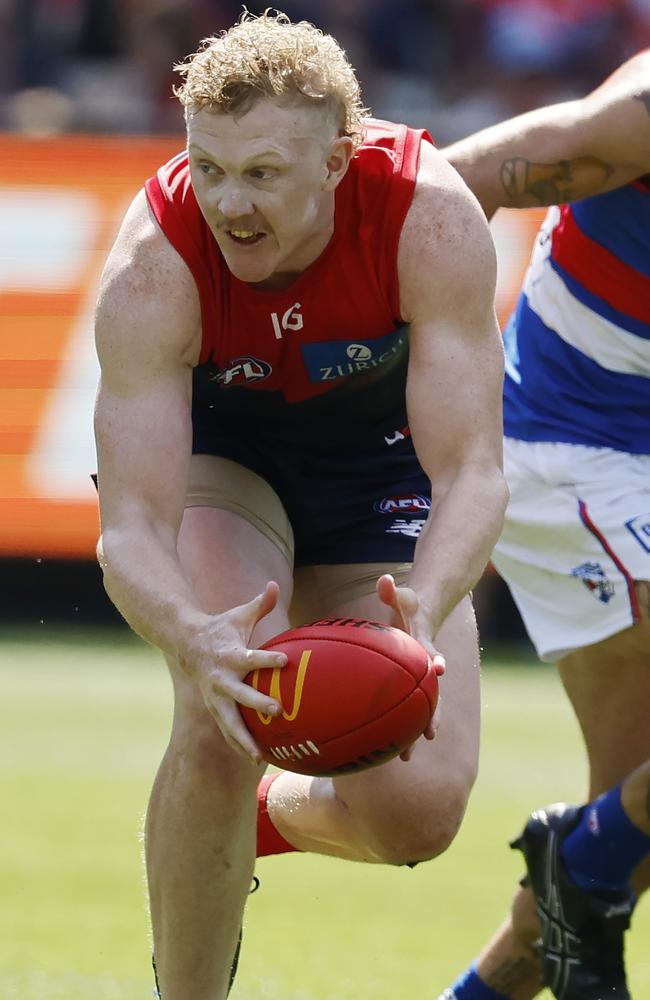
502	490
112	555
500	495
101	550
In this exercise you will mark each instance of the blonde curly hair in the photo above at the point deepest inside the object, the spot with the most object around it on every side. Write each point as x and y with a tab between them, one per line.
273	57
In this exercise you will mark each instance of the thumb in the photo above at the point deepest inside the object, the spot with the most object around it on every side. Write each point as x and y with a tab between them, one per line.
403	600
262	604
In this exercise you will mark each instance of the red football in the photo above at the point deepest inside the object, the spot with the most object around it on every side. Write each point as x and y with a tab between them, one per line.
355	693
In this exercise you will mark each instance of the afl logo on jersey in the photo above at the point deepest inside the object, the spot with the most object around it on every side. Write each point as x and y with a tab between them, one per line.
412	504
240	371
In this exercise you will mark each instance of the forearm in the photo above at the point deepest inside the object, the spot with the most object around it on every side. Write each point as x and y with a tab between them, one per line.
457	540
531	160
145	581
558	154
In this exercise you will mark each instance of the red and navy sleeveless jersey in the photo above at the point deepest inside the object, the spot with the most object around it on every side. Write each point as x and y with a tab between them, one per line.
339	322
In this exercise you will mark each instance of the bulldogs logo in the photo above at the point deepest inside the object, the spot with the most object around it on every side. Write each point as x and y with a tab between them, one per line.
595	580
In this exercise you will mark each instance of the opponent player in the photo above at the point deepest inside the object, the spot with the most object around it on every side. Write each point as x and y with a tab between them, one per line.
301	382
575	549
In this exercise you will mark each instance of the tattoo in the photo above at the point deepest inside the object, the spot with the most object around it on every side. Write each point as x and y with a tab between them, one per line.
644	97
527	183
511	973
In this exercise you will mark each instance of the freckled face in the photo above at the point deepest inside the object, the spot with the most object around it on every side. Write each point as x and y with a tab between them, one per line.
261	182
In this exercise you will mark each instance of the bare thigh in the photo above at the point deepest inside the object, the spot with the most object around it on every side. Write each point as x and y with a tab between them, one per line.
228	561
608	685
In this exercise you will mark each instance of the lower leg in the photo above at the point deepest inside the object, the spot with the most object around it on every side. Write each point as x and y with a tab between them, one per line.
635	797
613	835
200	853
508	967
305	814
612	838
509	964
616	736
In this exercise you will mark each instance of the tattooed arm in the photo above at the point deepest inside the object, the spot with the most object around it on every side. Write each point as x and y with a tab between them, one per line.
563	152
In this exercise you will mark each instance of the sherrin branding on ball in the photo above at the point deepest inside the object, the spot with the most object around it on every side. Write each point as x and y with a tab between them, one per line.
354	693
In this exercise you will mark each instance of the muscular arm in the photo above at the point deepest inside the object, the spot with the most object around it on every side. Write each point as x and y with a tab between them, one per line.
563	152
447	276
146	328
148	335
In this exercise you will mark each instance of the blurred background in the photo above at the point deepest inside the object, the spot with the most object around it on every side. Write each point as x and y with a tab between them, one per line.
87	113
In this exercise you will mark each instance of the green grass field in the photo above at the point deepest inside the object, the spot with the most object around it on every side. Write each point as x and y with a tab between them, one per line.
83	721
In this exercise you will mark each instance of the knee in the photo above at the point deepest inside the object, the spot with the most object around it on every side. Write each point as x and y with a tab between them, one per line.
426	832
198	750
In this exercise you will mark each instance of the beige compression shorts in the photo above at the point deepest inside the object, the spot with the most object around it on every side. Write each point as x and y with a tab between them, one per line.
219	482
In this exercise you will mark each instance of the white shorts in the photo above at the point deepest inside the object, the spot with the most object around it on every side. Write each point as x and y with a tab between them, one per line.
576	537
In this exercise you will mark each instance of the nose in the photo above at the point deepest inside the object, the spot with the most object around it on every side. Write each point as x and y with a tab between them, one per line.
233	201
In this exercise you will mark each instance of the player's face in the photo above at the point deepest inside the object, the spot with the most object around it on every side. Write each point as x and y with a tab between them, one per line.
265	184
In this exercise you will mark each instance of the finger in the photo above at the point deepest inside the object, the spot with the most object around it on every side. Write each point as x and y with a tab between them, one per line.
245	694
249	614
432	729
406	754
407	602
439	664
403	600
257	700
233	729
386	589
262	659
387	593
265	602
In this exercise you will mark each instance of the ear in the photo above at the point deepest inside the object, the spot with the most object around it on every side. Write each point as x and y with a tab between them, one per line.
339	155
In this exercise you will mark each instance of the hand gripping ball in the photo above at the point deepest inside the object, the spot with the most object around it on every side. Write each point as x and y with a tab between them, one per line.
354	694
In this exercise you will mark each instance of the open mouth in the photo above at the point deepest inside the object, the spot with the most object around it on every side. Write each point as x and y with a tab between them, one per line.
245	237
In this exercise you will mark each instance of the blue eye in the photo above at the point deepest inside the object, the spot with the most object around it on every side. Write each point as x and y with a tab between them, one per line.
262	173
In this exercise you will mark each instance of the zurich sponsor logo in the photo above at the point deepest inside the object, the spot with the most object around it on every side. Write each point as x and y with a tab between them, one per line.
595	580
412	504
330	360
242	370
640	528
358	352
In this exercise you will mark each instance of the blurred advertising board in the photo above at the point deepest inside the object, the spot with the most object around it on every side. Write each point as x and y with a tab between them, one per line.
61	203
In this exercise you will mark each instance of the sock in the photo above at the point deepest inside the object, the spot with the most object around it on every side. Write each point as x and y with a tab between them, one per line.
470	986
269	841
606	846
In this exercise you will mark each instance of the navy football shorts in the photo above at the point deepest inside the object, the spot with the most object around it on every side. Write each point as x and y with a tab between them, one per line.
350	482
